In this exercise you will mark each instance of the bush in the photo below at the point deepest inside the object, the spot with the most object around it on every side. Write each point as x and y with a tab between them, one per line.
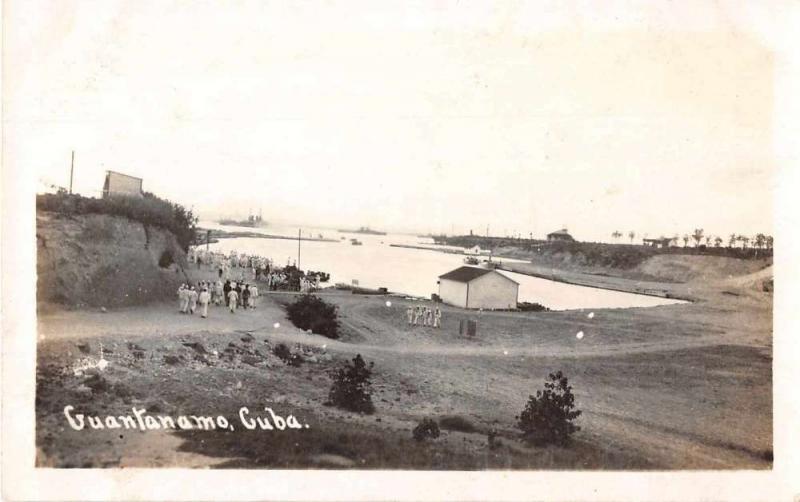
456	423
532	307
351	389
548	416
285	354
310	312
427	429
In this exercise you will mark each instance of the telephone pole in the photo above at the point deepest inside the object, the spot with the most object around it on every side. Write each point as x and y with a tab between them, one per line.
71	170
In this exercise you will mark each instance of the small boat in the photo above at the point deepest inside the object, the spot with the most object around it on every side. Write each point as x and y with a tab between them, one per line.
355	242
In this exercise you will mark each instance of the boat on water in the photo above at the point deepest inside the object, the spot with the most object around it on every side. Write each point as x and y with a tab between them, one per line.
355	242
362	230
252	221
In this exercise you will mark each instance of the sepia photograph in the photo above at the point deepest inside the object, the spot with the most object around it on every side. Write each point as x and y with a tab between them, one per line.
398	236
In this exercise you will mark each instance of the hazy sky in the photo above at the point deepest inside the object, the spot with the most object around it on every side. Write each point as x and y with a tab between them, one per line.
423	116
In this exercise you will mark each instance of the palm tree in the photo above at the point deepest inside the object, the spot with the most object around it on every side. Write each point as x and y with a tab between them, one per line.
697	235
616	234
732	240
685	240
632	235
718	241
708	240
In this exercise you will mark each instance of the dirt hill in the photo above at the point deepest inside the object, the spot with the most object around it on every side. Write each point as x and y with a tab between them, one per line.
686	268
104	261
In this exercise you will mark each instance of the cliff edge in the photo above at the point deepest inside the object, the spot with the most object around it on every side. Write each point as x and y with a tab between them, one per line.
96	260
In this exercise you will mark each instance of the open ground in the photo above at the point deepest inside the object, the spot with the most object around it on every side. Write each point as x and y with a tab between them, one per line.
673	387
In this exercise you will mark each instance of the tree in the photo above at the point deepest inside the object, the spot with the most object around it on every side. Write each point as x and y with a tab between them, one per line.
708	239
760	240
732	240
744	240
697	235
616	234
685	240
769	242
351	389
718	241
632	235
549	415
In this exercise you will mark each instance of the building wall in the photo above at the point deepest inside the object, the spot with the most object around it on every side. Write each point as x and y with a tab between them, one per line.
453	292
123	185
493	291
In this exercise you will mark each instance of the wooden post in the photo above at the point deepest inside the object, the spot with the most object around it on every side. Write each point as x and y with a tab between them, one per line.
71	170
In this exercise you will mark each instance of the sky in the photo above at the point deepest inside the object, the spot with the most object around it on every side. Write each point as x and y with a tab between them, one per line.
434	116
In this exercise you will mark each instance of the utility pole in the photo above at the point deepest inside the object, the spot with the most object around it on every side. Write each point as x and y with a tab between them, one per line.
71	170
298	248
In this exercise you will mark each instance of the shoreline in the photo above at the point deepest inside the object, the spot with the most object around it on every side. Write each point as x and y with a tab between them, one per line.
621	288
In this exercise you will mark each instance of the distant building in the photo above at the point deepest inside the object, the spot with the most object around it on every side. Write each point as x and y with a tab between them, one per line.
122	184
661	242
560	235
478	288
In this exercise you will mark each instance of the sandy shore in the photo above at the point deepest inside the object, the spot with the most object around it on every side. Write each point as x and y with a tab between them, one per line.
679	386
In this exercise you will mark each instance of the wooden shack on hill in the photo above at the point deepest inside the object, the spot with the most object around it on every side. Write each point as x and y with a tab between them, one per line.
122	184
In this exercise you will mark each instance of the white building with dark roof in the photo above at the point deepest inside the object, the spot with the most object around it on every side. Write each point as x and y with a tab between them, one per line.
478	288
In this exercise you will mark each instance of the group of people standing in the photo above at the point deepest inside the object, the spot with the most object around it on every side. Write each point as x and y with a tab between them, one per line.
233	295
236	296
421	315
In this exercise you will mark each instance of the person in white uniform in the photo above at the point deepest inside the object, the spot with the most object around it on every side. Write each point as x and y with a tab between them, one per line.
204	299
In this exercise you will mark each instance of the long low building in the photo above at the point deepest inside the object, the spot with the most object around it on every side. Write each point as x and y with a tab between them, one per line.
478	288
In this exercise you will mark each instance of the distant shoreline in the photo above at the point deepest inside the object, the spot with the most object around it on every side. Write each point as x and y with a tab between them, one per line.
224	234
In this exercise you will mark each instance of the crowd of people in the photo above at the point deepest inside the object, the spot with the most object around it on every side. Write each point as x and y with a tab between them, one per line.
237	276
235	266
232	294
421	315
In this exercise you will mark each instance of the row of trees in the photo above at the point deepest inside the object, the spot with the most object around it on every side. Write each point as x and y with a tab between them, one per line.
758	241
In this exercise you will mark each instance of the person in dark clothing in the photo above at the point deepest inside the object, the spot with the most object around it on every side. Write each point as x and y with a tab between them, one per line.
239	293
246	296
227	289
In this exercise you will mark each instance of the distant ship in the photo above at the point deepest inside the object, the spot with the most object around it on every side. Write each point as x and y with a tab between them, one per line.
252	221
362	230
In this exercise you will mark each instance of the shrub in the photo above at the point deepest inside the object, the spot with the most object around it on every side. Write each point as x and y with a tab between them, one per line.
351	389
456	423
548	416
427	429
531	307
285	354
166	259
311	312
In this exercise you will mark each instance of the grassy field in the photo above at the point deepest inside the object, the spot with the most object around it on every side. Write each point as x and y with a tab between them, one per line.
672	387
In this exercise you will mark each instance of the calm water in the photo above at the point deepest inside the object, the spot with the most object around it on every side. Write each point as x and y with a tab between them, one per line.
410	271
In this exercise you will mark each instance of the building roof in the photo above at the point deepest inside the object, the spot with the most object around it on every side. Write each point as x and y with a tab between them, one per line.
469	274
563	231
123	174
